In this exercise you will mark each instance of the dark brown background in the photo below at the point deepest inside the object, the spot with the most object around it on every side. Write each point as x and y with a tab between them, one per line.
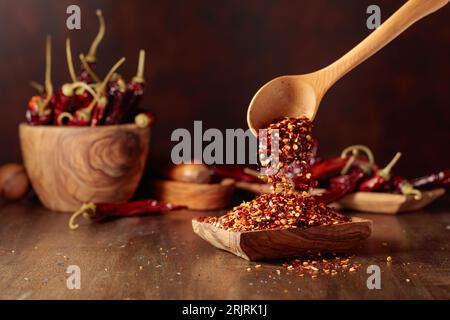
208	58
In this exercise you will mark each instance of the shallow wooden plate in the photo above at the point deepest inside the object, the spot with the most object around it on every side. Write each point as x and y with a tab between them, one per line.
285	243
388	203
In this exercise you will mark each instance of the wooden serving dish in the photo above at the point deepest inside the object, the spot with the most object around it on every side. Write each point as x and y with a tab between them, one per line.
196	196
69	166
285	243
372	202
388	203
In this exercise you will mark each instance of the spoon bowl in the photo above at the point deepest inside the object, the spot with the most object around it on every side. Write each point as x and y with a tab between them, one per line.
285	96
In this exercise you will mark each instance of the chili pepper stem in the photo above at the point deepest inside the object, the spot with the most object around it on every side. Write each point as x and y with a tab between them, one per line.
48	71
359	147
355	149
69	88
385	173
91	56
70	61
63	116
349	163
139	77
36	85
88	68
87	210
408	189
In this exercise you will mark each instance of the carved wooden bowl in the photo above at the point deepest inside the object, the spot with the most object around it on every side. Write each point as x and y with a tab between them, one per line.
69	166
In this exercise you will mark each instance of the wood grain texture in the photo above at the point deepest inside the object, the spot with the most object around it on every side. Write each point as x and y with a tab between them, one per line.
69	166
36	248
196	196
285	243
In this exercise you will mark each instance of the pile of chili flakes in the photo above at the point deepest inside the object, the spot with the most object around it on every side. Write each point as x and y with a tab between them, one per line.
277	211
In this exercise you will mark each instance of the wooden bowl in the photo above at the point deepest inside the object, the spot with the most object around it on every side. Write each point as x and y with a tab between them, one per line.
196	196
69	166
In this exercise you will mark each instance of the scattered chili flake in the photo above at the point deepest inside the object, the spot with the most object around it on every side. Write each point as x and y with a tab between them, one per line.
316	264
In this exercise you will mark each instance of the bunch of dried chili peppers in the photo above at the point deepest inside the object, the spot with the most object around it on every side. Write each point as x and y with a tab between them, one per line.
89	100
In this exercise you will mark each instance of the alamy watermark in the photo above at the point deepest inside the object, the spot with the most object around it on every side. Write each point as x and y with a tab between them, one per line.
235	146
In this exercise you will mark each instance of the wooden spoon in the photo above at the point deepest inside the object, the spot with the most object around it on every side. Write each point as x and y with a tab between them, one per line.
293	96
285	243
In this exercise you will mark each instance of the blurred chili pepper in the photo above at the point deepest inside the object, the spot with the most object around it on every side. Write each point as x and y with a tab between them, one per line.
342	185
326	168
98	112
376	181
439	179
34	115
403	186
134	92
105	211
62	104
116	93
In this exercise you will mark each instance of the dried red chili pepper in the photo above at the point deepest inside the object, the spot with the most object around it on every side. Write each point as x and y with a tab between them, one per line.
439	179
106	211
326	168
376	181
116	93
134	92
342	185
403	186
34	116
65	100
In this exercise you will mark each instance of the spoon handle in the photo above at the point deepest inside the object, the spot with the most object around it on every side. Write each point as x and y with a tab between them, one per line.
409	13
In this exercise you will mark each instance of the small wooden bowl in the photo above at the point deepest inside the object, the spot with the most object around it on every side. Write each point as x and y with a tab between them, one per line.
69	166
196	196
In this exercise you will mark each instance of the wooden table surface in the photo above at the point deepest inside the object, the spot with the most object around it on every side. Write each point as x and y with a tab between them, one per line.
159	257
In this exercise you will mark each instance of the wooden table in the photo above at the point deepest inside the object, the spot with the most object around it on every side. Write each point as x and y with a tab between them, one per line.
159	257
